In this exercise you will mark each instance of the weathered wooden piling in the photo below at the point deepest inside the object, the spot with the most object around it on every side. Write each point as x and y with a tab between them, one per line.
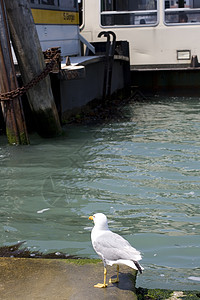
12	109
31	63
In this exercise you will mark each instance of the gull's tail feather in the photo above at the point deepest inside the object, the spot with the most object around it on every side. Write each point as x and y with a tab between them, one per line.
138	266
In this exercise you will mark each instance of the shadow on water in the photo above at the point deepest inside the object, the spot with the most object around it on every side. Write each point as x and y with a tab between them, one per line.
99	113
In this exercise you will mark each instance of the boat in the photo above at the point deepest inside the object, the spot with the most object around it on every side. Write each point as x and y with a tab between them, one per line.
162	35
87	73
57	23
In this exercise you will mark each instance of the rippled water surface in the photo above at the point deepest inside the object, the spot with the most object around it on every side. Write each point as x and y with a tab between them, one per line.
143	171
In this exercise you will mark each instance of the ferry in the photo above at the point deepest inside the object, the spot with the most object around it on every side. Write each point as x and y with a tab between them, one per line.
87	75
162	34
57	23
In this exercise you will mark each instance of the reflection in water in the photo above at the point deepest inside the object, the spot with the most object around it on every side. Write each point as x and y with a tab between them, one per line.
142	172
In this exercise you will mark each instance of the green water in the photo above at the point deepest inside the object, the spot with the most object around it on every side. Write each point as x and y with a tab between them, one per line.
142	171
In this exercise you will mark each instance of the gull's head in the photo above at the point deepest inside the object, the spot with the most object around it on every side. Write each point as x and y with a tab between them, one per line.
100	221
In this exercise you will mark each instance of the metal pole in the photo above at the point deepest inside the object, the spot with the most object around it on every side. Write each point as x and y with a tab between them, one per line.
12	109
111	60
105	82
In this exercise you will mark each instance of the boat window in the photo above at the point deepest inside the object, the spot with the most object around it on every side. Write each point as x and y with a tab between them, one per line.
39	3
48	2
182	12
128	12
71	5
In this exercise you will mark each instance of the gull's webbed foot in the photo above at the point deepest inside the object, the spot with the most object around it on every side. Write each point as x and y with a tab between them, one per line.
113	280
100	285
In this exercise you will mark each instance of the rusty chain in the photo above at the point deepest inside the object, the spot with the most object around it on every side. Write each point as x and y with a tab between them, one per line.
53	55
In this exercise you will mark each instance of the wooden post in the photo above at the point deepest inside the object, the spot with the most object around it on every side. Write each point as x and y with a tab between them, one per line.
12	109
31	62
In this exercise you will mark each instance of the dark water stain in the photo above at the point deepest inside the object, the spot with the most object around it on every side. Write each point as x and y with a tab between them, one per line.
16	251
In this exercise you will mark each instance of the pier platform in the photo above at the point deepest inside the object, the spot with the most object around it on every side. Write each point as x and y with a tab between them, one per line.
45	279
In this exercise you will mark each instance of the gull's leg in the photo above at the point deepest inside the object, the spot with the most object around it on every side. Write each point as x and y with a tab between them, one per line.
102	285
116	280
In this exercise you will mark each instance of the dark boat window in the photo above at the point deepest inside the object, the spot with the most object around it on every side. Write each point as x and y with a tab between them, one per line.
128	12
182	12
48	2
70	5
44	3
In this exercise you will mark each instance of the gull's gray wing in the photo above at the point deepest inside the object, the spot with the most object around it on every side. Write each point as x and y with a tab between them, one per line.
112	246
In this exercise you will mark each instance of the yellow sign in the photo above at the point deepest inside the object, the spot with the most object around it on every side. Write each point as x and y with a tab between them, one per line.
47	16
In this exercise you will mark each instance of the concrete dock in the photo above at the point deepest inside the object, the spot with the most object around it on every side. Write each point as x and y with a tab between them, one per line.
31	279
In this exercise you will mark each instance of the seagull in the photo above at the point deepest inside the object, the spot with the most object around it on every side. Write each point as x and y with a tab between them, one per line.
112	248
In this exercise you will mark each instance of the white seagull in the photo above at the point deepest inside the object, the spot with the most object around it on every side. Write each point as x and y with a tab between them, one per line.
112	248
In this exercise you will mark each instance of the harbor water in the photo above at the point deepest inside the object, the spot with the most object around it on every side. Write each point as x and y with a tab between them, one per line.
142	169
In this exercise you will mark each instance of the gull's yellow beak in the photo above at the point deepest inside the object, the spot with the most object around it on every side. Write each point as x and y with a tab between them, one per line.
91	218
